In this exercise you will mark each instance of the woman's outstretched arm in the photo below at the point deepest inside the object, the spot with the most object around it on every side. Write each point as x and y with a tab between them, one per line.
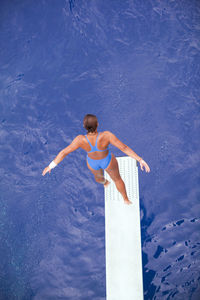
75	144
128	151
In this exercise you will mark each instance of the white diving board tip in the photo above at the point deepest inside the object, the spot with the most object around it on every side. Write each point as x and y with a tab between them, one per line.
123	236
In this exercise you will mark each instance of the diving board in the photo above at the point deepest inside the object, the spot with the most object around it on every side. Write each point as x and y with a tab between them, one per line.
123	236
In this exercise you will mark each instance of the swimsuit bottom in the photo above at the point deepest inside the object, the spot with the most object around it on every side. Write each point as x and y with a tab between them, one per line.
97	164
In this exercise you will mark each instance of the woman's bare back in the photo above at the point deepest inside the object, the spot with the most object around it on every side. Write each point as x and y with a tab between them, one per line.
102	144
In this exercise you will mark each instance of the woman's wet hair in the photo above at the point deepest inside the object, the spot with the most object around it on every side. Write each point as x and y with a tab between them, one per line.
90	122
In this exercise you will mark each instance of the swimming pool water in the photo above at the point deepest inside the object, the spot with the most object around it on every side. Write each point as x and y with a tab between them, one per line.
134	64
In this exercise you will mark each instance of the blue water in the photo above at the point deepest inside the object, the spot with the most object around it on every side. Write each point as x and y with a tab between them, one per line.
134	64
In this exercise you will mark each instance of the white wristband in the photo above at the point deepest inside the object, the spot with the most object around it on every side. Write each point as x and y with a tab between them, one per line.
52	165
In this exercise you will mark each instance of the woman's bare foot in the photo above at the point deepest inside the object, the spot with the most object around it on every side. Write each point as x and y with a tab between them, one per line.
107	183
127	201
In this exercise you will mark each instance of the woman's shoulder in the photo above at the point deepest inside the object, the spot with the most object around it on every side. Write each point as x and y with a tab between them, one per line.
79	138
106	135
106	132
110	136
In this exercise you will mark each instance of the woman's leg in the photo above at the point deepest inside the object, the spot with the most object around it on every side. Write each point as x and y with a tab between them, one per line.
113	171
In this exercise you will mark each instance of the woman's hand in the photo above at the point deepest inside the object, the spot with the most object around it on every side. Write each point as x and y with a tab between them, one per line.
47	169
143	164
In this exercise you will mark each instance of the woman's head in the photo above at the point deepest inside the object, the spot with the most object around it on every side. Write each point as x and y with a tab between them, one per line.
90	123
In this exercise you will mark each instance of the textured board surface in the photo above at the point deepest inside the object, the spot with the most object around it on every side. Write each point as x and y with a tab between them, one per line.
123	237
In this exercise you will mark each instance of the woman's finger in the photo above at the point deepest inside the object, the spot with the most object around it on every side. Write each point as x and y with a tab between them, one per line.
144	165
148	169
45	171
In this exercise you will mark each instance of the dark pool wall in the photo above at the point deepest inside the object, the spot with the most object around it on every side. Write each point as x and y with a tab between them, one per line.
135	64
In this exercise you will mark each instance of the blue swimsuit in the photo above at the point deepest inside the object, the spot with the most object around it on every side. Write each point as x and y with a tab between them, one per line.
97	164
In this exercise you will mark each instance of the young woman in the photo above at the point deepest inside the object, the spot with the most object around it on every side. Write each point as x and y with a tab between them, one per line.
99	157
